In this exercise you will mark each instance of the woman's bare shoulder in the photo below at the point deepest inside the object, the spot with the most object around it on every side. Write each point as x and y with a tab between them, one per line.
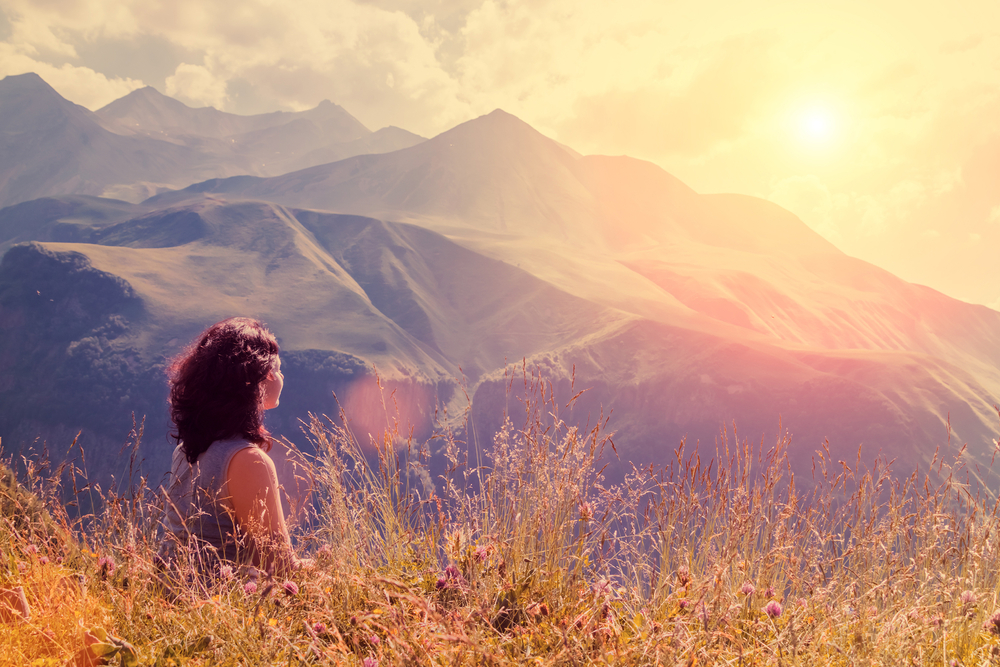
251	463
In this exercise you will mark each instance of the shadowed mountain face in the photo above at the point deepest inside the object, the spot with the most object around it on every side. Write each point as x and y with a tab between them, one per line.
484	246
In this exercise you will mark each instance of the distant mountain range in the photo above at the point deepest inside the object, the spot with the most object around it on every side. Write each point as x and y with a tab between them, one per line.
439	263
146	142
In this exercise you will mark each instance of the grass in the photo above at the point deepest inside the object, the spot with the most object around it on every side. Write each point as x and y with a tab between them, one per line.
522	553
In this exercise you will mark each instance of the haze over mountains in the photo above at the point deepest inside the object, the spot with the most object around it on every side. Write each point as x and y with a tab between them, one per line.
448	258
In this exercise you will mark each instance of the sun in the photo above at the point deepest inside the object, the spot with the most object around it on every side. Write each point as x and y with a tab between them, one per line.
815	126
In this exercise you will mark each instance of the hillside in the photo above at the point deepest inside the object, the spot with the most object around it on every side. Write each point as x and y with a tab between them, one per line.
441	263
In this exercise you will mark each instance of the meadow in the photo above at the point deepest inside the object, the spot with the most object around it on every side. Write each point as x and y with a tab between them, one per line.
523	553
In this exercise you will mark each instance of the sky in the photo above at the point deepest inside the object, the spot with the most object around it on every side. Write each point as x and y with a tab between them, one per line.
877	122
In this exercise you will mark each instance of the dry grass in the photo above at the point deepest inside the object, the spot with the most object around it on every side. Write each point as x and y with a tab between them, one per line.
524	554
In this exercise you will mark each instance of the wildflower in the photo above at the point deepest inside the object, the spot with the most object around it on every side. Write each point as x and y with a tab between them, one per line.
586	512
773	609
683	603
452	579
325	552
601	587
747	588
250	588
226	572
31	549
683	575
481	553
369	662
802	602
319	628
291	588
44	560
769	593
968	597
106	566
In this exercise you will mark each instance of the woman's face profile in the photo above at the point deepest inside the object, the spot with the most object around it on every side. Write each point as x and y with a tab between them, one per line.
273	384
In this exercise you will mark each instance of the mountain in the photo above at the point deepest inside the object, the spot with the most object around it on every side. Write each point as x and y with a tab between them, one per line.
49	146
147	111
494	174
273	143
431	270
145	143
737	283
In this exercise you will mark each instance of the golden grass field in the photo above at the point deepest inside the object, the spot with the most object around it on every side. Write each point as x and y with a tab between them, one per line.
524	554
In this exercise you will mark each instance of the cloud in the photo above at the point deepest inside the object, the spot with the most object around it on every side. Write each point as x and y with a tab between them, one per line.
291	56
930	234
690	114
78	84
995	214
961	45
197	86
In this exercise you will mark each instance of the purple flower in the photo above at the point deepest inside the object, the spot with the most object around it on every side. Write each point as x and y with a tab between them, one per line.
106	566
369	662
992	624
250	588
773	609
291	588
747	588
44	560
452	578
226	572
319	628
31	549
601	587
968	597
683	603
481	553
375	640
769	593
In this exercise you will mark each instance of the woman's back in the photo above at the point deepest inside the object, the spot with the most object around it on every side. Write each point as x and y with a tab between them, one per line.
199	513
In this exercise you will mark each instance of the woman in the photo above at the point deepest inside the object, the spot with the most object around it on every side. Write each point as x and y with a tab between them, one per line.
223	505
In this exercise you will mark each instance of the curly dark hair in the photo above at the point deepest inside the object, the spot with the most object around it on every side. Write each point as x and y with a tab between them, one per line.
217	386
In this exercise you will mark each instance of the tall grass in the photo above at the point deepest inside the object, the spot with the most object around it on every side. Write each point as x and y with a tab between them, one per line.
522	552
